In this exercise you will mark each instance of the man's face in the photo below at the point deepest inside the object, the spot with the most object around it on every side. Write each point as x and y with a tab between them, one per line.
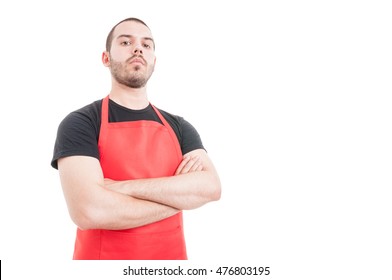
132	56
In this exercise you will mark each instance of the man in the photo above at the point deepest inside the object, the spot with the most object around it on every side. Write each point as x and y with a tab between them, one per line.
126	168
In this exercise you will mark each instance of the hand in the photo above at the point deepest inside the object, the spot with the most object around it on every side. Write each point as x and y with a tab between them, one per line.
189	164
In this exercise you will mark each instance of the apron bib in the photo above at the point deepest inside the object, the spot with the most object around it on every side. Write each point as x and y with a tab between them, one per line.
135	150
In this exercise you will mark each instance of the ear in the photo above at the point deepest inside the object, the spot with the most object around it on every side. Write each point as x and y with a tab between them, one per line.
106	58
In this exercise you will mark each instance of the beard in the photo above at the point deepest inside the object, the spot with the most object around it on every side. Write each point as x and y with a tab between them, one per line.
134	78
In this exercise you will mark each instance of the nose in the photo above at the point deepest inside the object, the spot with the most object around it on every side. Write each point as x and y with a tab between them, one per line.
137	50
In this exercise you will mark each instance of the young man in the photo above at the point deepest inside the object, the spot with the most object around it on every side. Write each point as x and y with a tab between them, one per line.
127	169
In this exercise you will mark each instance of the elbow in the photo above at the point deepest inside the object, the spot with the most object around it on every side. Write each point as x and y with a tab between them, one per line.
85	218
82	222
216	189
217	193
210	192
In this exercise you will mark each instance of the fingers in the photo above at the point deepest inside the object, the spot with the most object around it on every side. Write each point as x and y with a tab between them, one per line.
192	164
189	164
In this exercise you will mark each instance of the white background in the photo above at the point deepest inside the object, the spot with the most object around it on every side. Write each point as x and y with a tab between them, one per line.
292	101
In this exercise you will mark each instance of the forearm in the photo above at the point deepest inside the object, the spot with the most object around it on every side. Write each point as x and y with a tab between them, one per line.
116	211
195	183
91	206
185	191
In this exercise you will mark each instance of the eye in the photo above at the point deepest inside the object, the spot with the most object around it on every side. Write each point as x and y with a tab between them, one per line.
147	46
125	43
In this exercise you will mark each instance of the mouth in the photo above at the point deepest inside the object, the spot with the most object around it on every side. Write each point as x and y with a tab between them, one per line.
137	60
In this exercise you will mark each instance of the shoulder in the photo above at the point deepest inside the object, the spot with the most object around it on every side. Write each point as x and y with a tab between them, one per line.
187	134
172	119
78	133
91	111
88	115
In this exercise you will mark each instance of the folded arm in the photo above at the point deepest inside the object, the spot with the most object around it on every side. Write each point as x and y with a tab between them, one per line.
195	183
92	206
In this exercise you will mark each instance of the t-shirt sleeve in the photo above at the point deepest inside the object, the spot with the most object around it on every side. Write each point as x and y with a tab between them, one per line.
76	135
190	138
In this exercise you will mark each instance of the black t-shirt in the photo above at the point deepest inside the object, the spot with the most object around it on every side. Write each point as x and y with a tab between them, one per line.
78	133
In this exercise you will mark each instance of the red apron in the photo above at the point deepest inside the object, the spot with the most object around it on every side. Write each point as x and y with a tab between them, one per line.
134	150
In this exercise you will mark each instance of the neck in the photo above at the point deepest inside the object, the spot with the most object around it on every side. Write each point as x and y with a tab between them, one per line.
132	98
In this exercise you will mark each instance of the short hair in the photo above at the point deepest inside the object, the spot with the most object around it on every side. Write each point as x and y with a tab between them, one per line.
109	38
